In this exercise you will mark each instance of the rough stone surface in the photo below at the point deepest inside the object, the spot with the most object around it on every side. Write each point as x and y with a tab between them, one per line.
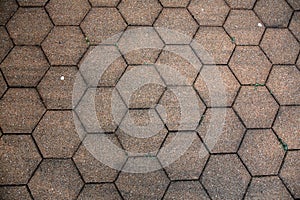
295	24
99	192
3	86
6	43
246	4
174	3
104	2
7	9
30	3
295	4
14	193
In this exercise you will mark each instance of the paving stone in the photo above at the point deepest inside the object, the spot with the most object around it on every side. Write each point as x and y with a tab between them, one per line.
174	3
109	23
111	3
7	9
236	4
295	4
179	60
209	12
14	193
64	45
213	45
243	26
29	26
3	86
24	66
284	83
295	24
290	172
191	161
138	12
280	46
261	152
56	135
267	188
222	174
19	158
273	13
21	109
99	192
67	12
250	65
32	2
56	179
186	190
256	107
176	26
287	126
56	87
217	85
231	130
6	43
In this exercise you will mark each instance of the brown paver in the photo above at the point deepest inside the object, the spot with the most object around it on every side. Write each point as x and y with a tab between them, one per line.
19	158
3	86
267	188
287	126
56	87
295	24
64	45
7	9
222	174
29	26
69	12
99	192
250	65
186	190
181	24
104	2
230	135
246	4
6	43
14	193
109	23
284	83
191	162
209	12
280	46
24	66
21	109
261	152
243	26
274	13
213	45
295	4
256	107
138	12
217	85
56	179
174	3
32	2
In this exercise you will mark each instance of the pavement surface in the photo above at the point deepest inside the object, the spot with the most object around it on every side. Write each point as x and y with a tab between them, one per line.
149	99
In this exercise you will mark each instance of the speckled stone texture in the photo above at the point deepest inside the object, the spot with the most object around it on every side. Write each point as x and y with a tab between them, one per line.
186	190
7	9
6	43
99	192
14	193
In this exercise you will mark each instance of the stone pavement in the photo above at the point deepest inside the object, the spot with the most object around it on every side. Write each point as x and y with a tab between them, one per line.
203	137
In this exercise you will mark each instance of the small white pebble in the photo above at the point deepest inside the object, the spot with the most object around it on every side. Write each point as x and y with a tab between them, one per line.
202	9
62	78
259	24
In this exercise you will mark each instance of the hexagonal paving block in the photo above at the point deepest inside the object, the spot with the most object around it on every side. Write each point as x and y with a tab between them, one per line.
104	2
280	46
287	126
64	45
295	24
24	66
261	152
32	2
284	83
186	190
232	130
19	158
295	4
69	12
243	26
21	109
209	12
213	45
273	13
191	162
29	26
174	3
250	65
56	135
14	192
6	43
246	4
3	85
256	107
110	23
266	188
56	88
217	85
222	174
138	12
290	172
99	192
176	26
59	178
7	9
